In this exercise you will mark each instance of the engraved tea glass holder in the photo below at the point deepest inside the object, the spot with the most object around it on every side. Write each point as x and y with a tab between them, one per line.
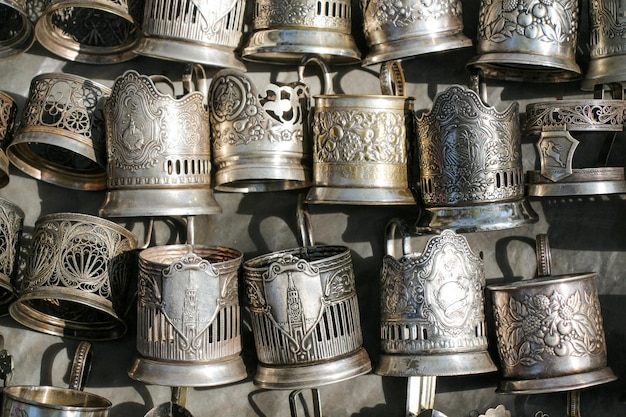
361	143
18	31
259	139
158	151
8	112
549	331
470	164
77	277
407	28
432	314
284	31
305	317
60	137
188	316
553	122
532	41
11	223
607	44
91	32
203	32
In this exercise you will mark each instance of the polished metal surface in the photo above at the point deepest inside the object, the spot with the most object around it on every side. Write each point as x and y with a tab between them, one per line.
432	315
207	32
60	137
11	227
361	145
470	174
188	317
533	42
92	32
285	31
17	34
259	140
405	29
77	277
305	317
158	151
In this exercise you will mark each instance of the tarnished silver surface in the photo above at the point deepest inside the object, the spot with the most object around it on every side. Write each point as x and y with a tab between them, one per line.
47	401
407	28
8	113
284	31
528	41
361	145
77	277
305	317
17	34
549	331
11	225
432	317
607	45
188	318
158	151
259	139
205	32
60	137
92	32
553	121
470	164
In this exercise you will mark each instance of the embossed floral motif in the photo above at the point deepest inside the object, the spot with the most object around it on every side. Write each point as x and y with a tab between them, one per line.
539	326
283	12
359	136
401	13
552	21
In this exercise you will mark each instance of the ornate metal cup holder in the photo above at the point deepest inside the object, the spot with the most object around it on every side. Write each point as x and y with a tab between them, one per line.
8	113
553	121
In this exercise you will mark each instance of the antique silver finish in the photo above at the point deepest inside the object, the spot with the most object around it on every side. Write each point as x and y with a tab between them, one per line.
8	112
607	44
158	151
17	34
206	32
188	316
284	31
60	137
549	331
11	224
92	32
77	277
528	41
407	28
470	164
259	141
432	318
554	121
360	144
305	317
45	401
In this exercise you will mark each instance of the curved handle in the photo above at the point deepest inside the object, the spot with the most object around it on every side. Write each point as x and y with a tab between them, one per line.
544	257
307	59
478	85
304	223
392	78
293	402
201	83
397	225
81	366
163	79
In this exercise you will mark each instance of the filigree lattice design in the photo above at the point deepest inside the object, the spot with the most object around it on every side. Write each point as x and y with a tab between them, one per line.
11	221
8	110
576	115
12	23
469	152
93	27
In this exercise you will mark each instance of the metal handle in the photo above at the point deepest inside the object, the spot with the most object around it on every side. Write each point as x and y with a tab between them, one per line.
420	397
81	366
201	83
163	79
392	78
6	364
293	402
393	226
304	223
328	82
478	85
544	257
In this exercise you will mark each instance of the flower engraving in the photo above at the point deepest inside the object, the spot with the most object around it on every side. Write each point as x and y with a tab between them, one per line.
541	326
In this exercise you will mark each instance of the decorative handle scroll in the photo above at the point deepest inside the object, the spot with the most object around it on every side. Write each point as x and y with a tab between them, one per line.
81	366
392	78
544	257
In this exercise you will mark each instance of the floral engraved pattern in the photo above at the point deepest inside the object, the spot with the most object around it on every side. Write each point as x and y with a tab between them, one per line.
327	14
400	14
240	115
551	21
467	151
576	115
539	326
359	136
